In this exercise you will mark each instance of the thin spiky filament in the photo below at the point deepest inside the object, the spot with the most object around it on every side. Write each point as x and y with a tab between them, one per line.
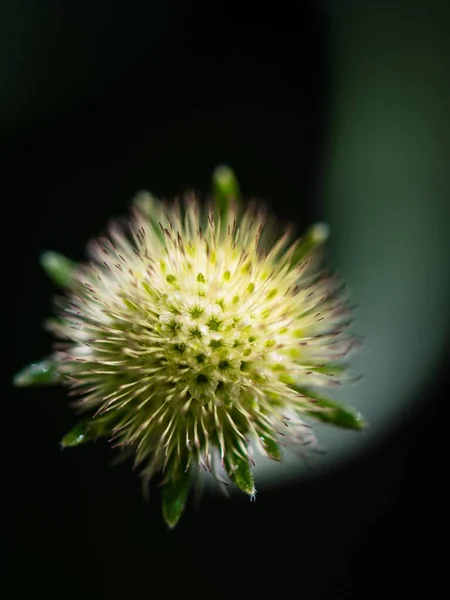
190	334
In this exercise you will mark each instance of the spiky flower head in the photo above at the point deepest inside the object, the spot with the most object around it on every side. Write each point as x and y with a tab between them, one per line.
194	334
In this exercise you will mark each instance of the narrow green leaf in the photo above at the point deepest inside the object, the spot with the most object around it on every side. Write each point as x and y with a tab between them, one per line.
239	471
334	413
173	497
40	373
226	189
59	268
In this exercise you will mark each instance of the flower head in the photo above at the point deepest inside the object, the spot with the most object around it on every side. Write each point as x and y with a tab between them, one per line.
194	333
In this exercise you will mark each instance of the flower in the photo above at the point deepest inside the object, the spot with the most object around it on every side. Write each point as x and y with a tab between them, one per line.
194	334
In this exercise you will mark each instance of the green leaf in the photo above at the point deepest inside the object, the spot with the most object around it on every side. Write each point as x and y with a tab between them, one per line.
173	497
239	471
40	373
59	268
226	189
334	413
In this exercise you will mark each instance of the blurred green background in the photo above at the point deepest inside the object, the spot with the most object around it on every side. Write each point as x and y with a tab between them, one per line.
388	194
387	190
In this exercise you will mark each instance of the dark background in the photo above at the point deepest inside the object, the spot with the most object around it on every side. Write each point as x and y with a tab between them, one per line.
230	83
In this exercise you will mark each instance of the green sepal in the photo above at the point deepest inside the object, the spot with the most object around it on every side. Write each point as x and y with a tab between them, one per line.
315	236
146	203
226	189
335	413
240	473
87	430
59	268
40	373
173	498
329	368
271	447
80	434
